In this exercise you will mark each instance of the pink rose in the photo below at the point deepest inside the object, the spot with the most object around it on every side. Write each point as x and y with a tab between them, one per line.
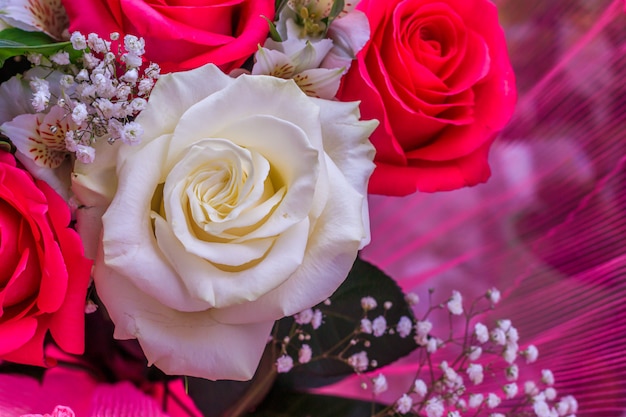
180	34
43	274
437	76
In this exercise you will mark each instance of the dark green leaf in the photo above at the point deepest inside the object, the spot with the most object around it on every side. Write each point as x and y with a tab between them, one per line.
273	32
341	318
289	404
231	398
22	37
14	42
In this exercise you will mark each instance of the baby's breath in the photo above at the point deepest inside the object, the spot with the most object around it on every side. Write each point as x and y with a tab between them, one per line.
101	94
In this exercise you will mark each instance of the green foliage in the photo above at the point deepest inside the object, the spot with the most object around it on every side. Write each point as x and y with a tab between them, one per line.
15	42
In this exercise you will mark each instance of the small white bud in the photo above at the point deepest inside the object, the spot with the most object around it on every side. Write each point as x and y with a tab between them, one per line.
368	303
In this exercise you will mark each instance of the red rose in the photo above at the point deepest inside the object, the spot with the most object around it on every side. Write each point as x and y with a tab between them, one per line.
180	34
437	76
43	274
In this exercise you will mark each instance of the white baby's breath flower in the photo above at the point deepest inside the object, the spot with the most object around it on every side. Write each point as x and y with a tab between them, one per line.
412	299
434	407
404	326
60	58
97	44
130	76
131	133
475	400
512	373
475	373
132	60
404	404
134	45
550	393
379	384
493	400
368	303
304	354
304	317
284	364
432	345
493	295
531	353
423	328
85	154
510	353
67	81
34	58
79	113
359	361
79	42
379	325
481	332
567	405
530	388
474	353
455	304
366	326
498	336
504	324
40	100
510	390
420	388
316	321
547	377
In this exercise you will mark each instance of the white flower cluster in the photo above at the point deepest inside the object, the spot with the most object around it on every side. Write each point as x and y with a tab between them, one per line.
305	320
96	101
442	390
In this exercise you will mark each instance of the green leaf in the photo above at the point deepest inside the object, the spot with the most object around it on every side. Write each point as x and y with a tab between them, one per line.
337	8
290	404
14	42
273	32
341	318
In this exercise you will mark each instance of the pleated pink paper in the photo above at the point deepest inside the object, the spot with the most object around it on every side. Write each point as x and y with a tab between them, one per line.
549	228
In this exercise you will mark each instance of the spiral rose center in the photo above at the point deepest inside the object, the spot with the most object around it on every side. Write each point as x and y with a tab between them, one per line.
430	44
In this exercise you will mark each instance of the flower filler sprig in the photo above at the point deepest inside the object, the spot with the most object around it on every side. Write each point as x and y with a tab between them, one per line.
97	95
451	367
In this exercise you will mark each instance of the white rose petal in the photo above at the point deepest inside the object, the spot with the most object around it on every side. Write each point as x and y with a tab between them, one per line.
226	217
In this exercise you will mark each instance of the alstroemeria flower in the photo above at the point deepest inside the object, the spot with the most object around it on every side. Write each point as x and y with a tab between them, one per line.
47	16
314	62
245	202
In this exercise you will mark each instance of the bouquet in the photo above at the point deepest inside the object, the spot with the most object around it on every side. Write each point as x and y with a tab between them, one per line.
236	209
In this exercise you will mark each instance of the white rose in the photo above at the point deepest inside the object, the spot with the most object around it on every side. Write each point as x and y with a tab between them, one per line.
245	202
